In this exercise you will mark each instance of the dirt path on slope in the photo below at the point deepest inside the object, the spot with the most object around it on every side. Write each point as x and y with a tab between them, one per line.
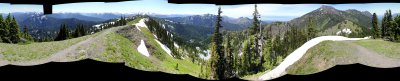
372	58
65	54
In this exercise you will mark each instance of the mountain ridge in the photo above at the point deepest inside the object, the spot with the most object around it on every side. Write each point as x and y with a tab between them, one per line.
331	14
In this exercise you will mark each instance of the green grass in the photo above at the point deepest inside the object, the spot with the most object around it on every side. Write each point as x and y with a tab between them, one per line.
168	63
321	57
334	29
121	48
117	49
158	52
35	50
136	20
324	23
254	76
38	50
159	60
330	53
387	48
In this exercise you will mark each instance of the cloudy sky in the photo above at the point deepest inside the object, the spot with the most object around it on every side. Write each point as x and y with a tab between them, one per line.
282	12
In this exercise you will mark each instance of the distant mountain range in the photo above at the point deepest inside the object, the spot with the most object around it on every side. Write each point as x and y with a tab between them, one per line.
41	25
21	16
47	26
199	28
209	20
167	16
77	16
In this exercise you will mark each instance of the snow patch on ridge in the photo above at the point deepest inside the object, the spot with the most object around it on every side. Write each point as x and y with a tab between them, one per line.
143	49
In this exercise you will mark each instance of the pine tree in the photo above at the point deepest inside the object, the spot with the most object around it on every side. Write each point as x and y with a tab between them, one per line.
255	27
392	30
6	30
14	31
217	55
387	25
254	57
383	25
63	34
67	32
246	56
390	26
397	28
2	28
267	54
311	29
375	26
79	31
229	57
82	30
26	34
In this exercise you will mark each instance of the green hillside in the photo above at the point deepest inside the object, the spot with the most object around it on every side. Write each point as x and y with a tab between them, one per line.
119	47
330	53
340	26
321	57
387	48
116	44
36	50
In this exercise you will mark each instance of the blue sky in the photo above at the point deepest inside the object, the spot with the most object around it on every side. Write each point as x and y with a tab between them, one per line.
7	8
282	12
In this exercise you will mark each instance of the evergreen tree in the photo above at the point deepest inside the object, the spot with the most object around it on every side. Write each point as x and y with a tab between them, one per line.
383	25
397	28
246	56
390	26
255	27
251	60
6	30
82	30
67	32
163	35
217	56
2	28
393	32
267	54
14	31
79	31
386	25
390	17
76	32
311	31
229	57
276	48
63	34
375	26
26	34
